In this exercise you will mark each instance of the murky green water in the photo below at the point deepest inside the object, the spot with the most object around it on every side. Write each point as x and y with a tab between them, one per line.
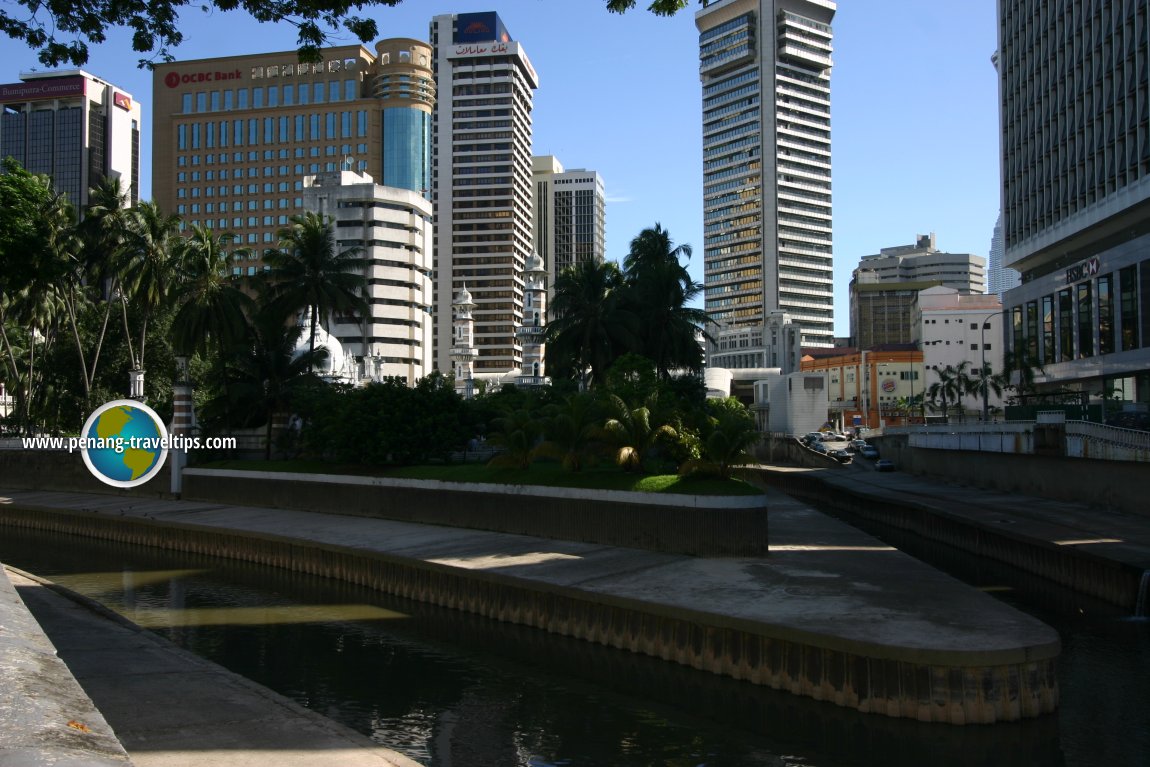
454	690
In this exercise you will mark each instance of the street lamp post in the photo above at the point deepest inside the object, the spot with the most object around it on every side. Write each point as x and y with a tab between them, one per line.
985	383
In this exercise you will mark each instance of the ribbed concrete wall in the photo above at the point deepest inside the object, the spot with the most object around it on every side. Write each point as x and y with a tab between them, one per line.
845	673
1065	565
694	525
61	470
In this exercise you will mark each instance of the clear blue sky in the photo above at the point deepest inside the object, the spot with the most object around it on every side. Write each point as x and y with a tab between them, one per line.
913	97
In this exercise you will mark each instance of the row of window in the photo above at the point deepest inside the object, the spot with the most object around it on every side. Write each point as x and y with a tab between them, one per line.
269	96
271	130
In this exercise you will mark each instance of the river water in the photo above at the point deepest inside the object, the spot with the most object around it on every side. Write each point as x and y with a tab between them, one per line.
454	690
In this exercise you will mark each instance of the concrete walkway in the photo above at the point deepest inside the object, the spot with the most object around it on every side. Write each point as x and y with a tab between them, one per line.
170	708
825	584
1094	531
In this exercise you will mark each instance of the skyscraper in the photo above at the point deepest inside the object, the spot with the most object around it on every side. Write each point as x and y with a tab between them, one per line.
1075	138
765	67
235	137
481	168
570	210
999	279
74	127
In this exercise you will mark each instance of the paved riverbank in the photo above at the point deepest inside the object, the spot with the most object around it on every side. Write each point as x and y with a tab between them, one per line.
831	614
1097	551
170	708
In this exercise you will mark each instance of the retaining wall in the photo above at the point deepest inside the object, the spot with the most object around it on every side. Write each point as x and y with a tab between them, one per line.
957	687
1099	577
61	470
680	524
45	717
1120	485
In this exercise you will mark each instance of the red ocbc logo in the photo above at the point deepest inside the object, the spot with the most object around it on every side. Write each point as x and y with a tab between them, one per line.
172	79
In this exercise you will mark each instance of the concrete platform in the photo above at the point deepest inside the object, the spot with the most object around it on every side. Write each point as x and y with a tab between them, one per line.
831	614
1097	551
170	708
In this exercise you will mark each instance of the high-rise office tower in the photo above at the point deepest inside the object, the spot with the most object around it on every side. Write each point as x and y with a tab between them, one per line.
765	67
481	168
1075	139
999	279
74	127
235	137
570	211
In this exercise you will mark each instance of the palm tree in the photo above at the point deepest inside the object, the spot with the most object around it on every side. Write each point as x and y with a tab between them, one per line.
590	326
982	383
963	385
265	375
631	431
948	388
659	289
1022	366
307	272
517	433
211	307
571	430
150	265
728	435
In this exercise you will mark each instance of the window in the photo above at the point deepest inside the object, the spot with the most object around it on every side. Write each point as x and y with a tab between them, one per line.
186	103
289	95
1085	321
1106	334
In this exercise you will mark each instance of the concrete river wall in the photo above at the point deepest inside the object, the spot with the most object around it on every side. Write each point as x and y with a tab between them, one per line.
783	630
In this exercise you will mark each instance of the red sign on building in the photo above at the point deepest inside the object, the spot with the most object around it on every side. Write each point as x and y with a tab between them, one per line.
123	101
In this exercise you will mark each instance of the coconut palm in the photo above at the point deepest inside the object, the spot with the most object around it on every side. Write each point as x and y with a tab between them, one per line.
212	309
308	272
150	266
948	388
1019	369
517	433
590	326
658	290
982	383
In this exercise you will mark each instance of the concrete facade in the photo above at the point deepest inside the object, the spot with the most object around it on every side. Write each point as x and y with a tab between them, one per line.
390	228
482	186
234	137
765	68
570	215
953	329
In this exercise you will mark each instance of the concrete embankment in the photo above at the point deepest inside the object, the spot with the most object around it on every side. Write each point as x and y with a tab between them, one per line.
45	717
171	708
698	525
1103	554
831	614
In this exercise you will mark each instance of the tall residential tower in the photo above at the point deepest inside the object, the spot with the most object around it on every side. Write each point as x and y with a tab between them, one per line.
765	67
481	168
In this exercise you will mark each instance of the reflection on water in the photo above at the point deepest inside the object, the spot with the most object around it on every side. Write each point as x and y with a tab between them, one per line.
455	690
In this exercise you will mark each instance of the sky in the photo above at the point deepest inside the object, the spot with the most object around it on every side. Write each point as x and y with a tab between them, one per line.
913	100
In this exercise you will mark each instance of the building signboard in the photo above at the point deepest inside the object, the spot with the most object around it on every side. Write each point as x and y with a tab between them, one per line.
1083	270
42	90
173	79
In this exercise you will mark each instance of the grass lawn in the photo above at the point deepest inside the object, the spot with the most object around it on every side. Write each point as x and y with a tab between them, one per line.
544	474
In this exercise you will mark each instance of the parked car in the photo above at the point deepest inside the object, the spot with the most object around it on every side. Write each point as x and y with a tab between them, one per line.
811	437
869	452
857	444
883	464
819	447
842	456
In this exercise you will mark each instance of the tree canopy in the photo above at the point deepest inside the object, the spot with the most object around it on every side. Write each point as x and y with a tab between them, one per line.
62	32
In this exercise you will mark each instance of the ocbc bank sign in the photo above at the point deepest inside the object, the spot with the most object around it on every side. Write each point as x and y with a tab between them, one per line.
173	79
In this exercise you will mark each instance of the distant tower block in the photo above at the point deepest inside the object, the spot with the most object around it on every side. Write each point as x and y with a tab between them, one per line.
463	351
531	332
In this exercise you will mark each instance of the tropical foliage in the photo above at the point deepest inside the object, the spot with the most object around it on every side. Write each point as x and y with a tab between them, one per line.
601	313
